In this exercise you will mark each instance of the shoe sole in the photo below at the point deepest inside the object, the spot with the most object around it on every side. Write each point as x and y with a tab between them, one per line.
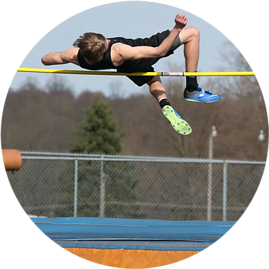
179	125
205	102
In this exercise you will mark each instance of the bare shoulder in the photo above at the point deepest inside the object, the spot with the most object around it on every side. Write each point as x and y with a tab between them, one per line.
116	54
119	46
120	49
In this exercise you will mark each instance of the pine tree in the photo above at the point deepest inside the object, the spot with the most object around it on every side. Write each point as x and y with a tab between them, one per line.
98	132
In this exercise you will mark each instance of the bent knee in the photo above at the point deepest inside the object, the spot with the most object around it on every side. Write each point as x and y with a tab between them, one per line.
154	80
194	31
189	33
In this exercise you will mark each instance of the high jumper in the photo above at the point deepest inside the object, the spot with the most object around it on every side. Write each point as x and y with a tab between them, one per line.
95	52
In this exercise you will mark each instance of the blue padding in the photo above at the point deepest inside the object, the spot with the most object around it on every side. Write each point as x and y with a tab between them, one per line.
136	234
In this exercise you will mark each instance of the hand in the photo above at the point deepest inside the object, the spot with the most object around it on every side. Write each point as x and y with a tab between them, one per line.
181	21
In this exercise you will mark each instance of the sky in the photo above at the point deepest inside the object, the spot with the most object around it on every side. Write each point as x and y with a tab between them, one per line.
119	21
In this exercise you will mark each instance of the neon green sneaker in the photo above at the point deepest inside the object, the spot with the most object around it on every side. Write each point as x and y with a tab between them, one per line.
179	125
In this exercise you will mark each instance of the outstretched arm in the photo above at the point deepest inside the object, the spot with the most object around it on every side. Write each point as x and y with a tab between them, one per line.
62	57
125	52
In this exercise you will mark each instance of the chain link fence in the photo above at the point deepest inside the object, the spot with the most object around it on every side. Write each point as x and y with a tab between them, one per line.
66	185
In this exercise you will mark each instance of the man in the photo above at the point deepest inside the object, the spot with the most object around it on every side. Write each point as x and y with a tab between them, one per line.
95	52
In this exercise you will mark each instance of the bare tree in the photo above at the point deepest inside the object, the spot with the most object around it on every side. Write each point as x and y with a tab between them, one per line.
57	83
116	90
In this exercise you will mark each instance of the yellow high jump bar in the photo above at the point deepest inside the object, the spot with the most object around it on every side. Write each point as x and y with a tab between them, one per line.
138	74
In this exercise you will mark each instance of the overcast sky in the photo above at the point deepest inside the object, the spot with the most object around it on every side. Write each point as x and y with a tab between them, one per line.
127	19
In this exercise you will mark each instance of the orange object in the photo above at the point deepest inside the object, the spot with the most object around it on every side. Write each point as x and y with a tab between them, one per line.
12	159
131	258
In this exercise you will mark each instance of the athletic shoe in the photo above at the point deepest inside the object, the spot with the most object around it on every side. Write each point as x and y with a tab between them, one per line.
179	125
200	96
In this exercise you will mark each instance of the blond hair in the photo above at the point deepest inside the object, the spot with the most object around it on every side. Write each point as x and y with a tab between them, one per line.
91	45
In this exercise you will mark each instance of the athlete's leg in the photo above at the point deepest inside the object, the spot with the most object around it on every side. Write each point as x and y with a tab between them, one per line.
190	37
158	91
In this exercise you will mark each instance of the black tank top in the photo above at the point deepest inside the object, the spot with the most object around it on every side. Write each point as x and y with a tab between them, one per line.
141	65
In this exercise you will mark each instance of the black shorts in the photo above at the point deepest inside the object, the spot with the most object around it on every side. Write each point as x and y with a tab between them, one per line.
144	65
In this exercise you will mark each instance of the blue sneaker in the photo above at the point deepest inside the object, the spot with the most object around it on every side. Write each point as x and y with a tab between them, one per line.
200	96
179	125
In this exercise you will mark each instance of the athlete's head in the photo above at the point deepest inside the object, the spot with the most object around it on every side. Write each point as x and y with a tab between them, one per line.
92	46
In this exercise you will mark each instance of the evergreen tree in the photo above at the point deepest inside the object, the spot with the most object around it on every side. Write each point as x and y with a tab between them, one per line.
98	132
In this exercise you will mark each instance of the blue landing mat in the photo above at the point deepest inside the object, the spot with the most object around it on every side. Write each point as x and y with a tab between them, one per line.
109	233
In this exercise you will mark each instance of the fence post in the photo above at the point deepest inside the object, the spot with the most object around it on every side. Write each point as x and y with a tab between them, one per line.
209	184
225	165
76	187
102	190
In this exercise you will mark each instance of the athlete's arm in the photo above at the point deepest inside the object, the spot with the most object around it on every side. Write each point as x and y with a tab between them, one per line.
126	52
62	57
